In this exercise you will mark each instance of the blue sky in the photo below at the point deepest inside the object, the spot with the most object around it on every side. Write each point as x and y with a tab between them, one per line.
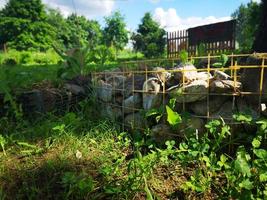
171	14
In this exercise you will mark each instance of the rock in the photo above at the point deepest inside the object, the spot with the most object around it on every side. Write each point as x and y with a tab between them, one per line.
131	103
251	83
104	91
204	76
162	133
135	121
74	89
116	81
151	96
232	85
215	103
217	86
191	126
264	109
162	74
119	99
195	91
226	112
219	75
113	113
222	86
188	71
131	83
243	107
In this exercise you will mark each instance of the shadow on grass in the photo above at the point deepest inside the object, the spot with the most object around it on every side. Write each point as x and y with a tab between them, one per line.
45	180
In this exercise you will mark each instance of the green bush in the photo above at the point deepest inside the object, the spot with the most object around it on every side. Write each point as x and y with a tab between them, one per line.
29	57
26	57
10	61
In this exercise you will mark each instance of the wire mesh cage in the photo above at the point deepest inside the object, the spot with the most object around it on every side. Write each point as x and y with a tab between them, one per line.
212	90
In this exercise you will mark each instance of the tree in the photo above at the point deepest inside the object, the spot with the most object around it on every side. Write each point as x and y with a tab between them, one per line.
83	31
248	18
115	32
260	44
23	26
150	38
32	10
56	20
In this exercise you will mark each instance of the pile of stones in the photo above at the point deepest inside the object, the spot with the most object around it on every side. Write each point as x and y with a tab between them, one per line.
125	97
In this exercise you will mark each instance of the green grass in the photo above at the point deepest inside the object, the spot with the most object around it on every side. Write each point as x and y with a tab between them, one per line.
24	76
77	156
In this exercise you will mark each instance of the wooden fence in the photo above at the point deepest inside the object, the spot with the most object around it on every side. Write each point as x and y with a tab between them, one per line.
212	38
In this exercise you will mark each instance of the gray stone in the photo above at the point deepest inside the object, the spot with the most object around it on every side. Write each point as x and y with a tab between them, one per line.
221	75
215	103
251	83
221	86
203	76
243	107
131	103
226	112
195	91
135	121
116	81
135	82
232	85
110	112
104	91
74	89
217	86
264	109
151	96
188	71
161	74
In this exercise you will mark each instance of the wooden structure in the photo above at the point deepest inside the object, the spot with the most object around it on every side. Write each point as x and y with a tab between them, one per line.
214	38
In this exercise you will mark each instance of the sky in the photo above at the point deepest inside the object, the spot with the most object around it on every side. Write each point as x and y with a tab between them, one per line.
171	14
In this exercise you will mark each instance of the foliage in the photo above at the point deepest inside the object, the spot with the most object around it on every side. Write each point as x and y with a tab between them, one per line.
82	32
222	61
150	38
201	50
183	57
3	142
102	54
115	32
29	58
248	19
32	10
77	186
259	42
23	26
76	61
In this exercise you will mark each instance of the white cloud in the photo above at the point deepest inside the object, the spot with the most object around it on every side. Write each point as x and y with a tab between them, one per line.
170	21
88	8
2	3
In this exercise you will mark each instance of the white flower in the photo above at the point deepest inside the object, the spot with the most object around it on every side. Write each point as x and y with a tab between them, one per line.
78	154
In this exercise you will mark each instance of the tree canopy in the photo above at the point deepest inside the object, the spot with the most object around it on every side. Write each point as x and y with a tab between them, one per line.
248	19
150	38
23	26
115	32
260	43
32	10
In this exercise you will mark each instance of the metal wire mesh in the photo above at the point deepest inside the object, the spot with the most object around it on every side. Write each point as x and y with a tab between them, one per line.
135	73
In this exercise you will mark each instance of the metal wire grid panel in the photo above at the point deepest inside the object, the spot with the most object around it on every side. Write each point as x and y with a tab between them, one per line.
134	74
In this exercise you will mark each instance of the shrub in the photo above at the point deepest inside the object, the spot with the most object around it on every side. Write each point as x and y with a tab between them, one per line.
10	61
103	54
26	57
